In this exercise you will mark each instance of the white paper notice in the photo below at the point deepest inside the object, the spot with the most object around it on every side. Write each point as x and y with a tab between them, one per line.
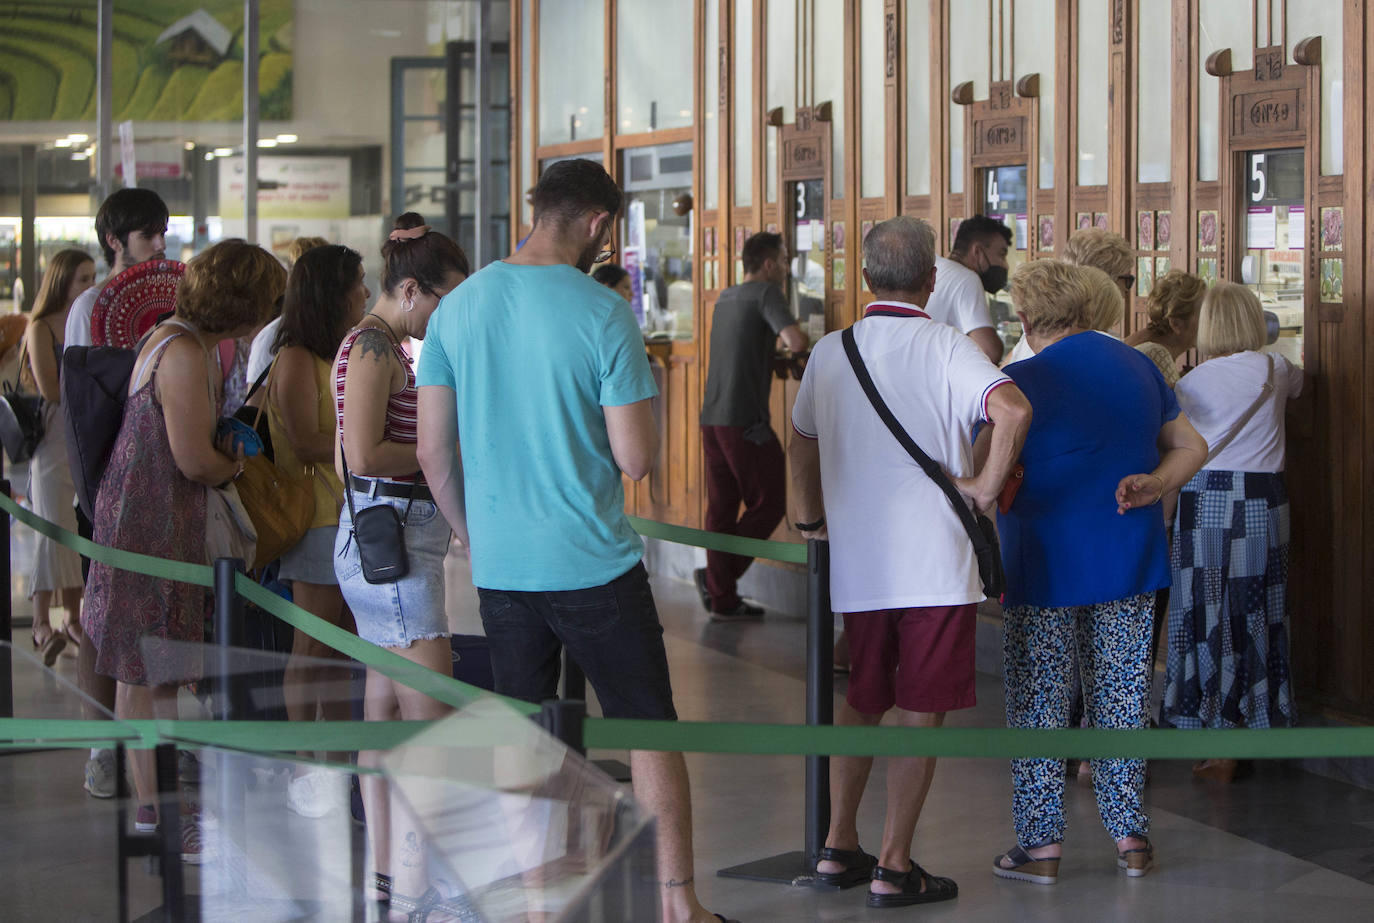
818	234
1020	242
1261	228
803	236
1297	227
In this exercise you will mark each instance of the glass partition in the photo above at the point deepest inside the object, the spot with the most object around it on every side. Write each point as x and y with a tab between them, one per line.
872	101
1273	241
526	148
1154	125
807	290
828	63
780	86
1221	24
1004	197
1326	19
746	129
1034	42
969	26
572	49
1092	93
919	131
657	233
710	110
654	54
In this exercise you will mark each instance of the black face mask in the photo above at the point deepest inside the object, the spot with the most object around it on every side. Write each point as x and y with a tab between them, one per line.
994	279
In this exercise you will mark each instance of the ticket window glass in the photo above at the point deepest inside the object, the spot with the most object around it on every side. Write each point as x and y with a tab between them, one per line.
656	237
1004	200
1273	237
807	291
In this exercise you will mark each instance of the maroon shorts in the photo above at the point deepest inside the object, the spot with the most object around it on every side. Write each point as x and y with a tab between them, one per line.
919	659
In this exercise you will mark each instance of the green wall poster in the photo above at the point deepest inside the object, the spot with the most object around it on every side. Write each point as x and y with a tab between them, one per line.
173	60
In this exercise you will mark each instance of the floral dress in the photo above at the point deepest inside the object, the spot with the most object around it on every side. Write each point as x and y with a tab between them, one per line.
145	504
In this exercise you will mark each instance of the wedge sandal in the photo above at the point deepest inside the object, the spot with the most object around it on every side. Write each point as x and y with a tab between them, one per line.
1018	865
858	868
1136	863
918	887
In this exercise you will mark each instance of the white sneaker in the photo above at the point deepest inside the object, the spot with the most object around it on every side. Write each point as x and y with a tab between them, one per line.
315	794
100	775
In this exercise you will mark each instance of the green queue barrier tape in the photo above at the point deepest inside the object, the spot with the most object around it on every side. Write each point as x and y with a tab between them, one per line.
628	734
712	737
788	552
442	688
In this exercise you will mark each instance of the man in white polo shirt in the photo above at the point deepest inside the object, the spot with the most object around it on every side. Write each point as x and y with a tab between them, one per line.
902	569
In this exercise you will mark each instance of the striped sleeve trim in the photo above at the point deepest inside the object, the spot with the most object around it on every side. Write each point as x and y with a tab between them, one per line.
987	393
802	433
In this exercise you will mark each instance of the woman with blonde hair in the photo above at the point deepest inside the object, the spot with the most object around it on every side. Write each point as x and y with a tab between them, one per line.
1084	550
1228	620
147	631
56	570
1172	328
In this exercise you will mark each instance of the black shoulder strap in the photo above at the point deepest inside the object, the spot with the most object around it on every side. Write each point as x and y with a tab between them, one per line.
928	465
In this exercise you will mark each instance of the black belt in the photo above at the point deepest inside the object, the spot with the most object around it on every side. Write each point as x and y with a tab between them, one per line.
378	487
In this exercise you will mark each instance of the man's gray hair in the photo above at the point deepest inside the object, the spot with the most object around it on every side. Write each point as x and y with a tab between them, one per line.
898	254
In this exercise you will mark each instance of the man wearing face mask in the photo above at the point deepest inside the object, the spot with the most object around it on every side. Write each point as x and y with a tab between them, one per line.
977	264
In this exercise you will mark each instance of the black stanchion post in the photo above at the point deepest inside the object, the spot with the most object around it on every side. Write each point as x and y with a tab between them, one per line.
820	691
563	719
169	832
799	866
228	626
6	613
575	687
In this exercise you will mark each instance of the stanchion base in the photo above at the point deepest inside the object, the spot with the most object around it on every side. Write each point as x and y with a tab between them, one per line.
613	768
789	868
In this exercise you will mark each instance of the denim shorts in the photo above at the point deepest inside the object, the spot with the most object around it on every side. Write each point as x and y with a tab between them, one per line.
612	633
311	560
412	608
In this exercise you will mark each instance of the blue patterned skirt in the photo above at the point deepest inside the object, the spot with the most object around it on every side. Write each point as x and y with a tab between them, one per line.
1228	610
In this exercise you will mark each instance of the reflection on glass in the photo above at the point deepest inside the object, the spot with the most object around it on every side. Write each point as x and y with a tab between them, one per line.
1274	236
656	233
1004	199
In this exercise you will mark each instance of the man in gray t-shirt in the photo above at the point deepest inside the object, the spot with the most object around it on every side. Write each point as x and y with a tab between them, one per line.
744	460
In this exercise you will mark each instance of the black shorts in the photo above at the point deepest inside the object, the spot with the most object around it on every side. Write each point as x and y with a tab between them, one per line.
611	632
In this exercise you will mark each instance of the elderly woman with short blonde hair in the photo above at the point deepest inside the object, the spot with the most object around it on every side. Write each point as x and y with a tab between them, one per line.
1228	619
1084	549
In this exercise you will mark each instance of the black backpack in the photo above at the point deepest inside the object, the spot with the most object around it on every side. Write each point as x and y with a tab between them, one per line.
95	385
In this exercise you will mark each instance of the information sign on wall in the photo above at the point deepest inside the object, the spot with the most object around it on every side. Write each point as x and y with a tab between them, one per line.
288	187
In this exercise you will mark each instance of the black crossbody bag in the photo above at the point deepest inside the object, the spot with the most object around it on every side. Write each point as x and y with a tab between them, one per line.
980	528
380	534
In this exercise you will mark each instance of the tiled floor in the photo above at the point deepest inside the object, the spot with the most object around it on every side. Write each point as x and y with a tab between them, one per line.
1280	845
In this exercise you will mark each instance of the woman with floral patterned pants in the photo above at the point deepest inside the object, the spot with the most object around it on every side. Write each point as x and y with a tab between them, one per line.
1084	550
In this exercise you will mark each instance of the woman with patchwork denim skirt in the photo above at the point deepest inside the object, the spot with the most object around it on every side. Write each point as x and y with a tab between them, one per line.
375	397
1084	550
1228	616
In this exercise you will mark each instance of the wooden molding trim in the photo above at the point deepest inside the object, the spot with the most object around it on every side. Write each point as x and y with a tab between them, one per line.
1308	52
1219	63
962	95
1028	86
774	117
825	112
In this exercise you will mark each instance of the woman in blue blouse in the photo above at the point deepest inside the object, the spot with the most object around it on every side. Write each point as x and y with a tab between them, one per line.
1084	550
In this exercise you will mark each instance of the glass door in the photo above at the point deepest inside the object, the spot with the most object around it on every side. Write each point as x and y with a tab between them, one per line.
656	236
807	248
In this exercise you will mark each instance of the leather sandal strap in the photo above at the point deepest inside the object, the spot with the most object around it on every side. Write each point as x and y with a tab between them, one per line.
829	854
886	874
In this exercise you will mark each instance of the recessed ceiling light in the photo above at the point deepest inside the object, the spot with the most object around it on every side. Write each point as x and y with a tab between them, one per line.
189	145
78	138
62	142
80	155
267	142
223	151
286	139
209	155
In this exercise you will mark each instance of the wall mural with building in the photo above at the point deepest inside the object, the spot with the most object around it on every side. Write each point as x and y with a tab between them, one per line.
174	60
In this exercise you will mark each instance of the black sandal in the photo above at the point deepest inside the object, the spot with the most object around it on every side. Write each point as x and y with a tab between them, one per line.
858	868
918	887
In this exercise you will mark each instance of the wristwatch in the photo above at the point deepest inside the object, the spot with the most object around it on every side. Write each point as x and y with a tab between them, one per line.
809	526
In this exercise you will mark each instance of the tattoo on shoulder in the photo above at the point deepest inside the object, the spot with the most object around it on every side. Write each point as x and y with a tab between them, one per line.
373	342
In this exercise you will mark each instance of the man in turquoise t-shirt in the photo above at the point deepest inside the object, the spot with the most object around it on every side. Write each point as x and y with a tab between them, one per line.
534	398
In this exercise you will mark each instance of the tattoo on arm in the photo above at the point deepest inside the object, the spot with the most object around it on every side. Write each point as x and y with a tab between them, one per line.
674	883
374	342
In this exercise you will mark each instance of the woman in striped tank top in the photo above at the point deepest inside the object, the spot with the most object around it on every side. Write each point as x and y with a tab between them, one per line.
375	399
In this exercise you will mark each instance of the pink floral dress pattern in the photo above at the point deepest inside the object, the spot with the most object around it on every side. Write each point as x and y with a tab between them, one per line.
145	504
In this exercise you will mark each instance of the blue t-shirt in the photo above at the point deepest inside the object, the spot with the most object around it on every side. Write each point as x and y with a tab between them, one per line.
532	354
1098	408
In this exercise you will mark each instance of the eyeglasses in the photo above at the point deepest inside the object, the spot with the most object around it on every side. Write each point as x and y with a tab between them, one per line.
604	255
1129	280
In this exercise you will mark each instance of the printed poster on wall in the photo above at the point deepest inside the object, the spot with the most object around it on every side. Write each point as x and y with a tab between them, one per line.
1297	227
